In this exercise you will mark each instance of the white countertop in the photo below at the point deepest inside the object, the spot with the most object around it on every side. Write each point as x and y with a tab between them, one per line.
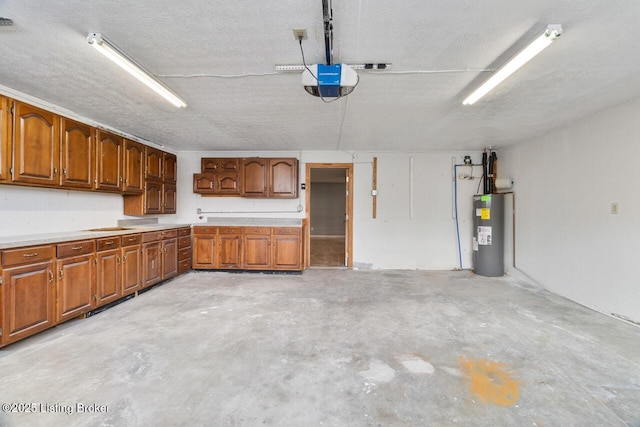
8	242
251	222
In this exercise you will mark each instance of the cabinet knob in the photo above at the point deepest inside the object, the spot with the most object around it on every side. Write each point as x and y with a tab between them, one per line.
64	171
30	255
61	274
50	276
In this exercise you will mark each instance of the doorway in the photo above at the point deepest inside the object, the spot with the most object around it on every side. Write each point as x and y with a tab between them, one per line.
329	200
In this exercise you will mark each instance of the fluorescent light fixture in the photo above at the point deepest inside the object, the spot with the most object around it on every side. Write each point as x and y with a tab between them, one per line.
100	43
552	32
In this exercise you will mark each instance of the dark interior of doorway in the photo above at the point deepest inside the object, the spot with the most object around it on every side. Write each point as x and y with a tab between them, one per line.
327	217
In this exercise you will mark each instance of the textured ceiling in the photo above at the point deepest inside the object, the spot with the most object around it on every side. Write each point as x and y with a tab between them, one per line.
437	48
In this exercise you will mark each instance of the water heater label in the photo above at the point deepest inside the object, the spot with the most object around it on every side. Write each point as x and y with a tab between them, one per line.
484	236
475	244
478	211
485	213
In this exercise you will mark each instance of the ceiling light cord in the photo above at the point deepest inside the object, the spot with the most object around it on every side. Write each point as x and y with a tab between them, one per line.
221	76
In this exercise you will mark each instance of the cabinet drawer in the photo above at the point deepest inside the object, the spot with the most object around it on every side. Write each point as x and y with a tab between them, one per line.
186	231
184	242
151	236
205	230
184	265
257	230
287	230
131	239
76	248
184	254
108	243
30	255
230	230
169	234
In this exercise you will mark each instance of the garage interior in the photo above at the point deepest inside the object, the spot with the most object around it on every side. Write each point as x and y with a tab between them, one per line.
386	323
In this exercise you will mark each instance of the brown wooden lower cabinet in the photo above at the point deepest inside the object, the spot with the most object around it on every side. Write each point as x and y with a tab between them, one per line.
229	250
41	286
249	248
286	252
76	279
109	271
159	256
184	249
169	250
204	247
27	293
257	252
131	264
151	263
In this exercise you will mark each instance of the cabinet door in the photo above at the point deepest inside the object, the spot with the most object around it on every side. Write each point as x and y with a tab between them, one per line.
133	167
169	258
153	166
228	183
108	162
283	178
230	165
254	177
257	252
75	286
131	274
209	164
204	251
168	198
5	138
151	264
170	167
287	251
230	251
35	145
153	194
27	300
77	154
203	183
109	279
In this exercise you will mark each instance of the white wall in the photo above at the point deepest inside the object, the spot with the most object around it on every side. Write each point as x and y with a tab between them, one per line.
398	237
566	237
422	238
27	210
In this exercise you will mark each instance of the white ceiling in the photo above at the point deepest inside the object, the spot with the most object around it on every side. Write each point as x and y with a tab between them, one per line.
595	64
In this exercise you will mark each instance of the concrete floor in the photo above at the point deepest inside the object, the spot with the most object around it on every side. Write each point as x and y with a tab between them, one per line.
334	348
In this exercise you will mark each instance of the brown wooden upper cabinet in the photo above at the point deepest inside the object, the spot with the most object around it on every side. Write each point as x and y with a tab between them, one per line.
77	151
229	164
169	167
277	178
36	155
154	164
133	167
108	161
255	177
283	178
5	138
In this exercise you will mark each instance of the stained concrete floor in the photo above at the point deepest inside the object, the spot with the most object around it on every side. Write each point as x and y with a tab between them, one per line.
334	348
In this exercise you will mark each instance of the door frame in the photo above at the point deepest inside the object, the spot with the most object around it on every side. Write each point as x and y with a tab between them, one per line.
348	208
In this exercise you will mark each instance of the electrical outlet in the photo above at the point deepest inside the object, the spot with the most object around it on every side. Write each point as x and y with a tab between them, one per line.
615	208
300	32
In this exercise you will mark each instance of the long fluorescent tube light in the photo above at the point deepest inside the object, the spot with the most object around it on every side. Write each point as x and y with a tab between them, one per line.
100	43
552	32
